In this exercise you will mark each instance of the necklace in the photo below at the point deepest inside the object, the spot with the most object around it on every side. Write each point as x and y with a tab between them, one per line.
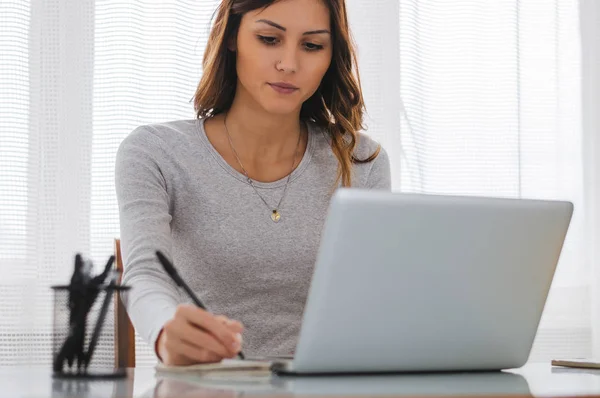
275	214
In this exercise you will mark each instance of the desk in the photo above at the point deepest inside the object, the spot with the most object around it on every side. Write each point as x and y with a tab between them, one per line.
531	380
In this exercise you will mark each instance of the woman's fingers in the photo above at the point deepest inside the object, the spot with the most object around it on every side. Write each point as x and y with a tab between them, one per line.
192	335
235	326
197	336
206	321
191	353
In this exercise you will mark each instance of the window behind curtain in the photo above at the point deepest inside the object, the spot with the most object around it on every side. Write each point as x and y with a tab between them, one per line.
14	114
492	107
14	124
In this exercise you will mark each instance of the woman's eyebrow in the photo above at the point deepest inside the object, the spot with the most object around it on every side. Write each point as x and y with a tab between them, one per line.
276	25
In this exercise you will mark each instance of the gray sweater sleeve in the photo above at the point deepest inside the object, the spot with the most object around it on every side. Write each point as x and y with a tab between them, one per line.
379	175
145	227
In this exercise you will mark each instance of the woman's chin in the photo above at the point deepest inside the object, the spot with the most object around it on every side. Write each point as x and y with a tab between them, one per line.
282	107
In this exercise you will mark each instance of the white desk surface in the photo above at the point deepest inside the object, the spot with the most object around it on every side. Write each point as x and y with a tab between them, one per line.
534	379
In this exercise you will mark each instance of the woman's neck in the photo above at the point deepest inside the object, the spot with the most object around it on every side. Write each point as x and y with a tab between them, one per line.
259	134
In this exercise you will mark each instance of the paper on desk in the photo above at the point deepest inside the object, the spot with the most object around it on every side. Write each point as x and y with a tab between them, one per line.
228	374
226	366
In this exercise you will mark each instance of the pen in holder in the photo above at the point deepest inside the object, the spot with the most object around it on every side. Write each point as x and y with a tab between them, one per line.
80	314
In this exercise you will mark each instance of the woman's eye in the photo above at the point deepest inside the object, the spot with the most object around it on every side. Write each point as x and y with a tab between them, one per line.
269	40
313	46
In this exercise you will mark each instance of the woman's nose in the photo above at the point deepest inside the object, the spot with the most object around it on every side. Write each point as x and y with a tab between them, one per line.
288	62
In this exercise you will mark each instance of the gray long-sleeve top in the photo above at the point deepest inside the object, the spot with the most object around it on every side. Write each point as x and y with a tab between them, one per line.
178	195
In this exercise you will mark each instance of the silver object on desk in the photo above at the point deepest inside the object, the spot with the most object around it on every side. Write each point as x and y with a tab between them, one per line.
407	282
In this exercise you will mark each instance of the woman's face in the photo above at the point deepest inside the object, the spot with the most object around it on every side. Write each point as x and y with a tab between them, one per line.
283	52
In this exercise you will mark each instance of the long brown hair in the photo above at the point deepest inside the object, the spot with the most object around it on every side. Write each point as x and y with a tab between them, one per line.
337	106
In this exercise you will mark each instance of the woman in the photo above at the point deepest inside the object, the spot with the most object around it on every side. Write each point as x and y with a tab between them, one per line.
237	197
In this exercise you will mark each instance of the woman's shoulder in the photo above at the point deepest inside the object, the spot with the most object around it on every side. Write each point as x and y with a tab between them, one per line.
162	134
365	144
161	139
373	174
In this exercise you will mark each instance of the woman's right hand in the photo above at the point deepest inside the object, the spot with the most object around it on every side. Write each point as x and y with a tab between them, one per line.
197	336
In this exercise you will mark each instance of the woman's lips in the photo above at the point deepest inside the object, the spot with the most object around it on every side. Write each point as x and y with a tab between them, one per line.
283	88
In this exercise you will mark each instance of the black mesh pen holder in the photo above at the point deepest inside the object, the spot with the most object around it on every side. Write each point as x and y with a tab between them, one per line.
83	338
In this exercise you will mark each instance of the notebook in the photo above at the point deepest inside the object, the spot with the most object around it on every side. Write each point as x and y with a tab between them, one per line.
227	366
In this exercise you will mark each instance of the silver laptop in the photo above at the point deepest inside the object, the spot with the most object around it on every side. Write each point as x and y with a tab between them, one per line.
407	282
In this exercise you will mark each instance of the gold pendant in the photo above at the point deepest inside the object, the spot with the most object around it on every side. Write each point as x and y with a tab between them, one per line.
275	216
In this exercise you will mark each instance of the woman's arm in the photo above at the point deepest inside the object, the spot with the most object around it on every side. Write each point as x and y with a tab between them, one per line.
180	334
145	227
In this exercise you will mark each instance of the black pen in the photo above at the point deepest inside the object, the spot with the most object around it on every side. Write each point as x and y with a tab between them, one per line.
172	272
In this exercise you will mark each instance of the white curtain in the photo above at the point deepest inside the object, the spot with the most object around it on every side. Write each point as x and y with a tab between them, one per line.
471	97
590	71
485	98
